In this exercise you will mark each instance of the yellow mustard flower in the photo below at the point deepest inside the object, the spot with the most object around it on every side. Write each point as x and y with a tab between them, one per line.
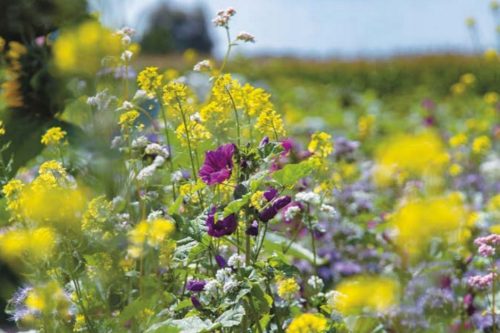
421	155
365	125
269	122
481	144
53	136
151	233
80	50
468	79
321	144
150	80
308	323
458	140
491	98
197	133
362	294
287	288
128	118
419	221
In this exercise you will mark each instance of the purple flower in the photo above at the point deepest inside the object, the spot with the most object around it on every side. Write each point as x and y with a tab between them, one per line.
222	227
220	261
253	229
218	164
270	193
196	285
196	302
271	211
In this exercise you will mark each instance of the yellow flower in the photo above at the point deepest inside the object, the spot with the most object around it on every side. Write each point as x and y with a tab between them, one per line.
308	323
127	118
197	133
419	221
421	155
49	299
33	245
53	136
321	144
468	79
174	93
458	88
494	204
455	169
365	125
255	100
269	122
458	140
2	128
366	293
287	288
257	200
152	233
481	144
149	80
95	215
80	50
491	54
491	98
11	92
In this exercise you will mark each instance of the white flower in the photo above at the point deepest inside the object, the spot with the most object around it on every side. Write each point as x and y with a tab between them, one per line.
126	105
245	37
148	171
156	149
140	142
126	55
195	117
308	197
203	65
236	260
328	209
291	212
177	176
211	288
154	215
316	283
223	16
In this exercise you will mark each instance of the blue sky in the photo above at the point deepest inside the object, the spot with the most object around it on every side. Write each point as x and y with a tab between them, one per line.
347	28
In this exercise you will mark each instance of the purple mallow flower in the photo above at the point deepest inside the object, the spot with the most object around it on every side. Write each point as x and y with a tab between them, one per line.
221	227
196	285
218	164
253	229
196	303
270	212
221	262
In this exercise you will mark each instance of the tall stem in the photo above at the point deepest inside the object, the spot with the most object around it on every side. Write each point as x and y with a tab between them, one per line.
228	51
236	117
313	240
167	137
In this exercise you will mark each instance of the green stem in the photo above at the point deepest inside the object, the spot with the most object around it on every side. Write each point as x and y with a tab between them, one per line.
313	240
167	137
235	110
228	51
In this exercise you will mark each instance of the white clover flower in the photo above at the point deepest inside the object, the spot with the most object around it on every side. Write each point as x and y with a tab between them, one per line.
223	16
328	209
195	117
291	212
126	55
154	215
308	197
245	37
140	94
177	176
203	65
211	288
156	149
140	142
316	283
149	171
236	260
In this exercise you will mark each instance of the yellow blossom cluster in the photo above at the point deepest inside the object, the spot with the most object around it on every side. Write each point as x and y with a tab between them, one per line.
366	294
422	155
80	50
418	221
197	132
308	323
150	80
287	287
151	233
53	136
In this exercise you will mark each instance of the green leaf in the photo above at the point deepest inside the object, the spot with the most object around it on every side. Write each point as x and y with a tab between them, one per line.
276	243
236	205
174	208
187	325
232	317
292	173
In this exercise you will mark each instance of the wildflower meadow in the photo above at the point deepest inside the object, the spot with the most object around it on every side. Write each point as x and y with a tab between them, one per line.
200	197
